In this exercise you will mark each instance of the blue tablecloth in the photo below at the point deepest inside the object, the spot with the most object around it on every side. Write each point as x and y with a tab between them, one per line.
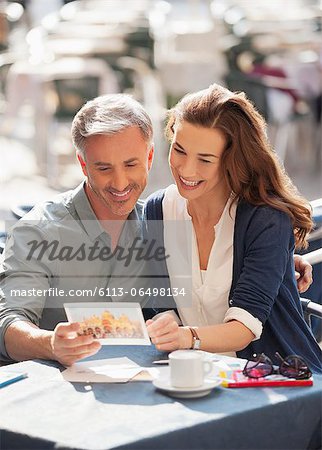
44	411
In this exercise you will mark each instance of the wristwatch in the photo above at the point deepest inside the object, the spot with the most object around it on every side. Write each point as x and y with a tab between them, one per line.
195	339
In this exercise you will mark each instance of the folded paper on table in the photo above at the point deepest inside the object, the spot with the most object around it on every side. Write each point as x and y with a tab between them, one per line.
146	374
113	370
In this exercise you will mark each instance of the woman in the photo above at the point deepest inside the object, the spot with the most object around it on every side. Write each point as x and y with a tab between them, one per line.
247	218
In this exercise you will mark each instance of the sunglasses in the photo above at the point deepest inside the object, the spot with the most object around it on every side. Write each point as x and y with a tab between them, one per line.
292	366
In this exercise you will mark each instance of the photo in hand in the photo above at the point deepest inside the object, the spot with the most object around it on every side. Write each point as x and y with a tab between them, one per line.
111	323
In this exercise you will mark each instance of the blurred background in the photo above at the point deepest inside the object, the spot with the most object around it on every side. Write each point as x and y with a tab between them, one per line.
55	55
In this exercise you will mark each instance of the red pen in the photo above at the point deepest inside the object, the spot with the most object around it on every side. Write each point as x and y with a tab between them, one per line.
236	379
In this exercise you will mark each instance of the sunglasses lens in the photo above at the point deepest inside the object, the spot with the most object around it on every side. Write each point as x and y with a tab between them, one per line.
259	368
295	367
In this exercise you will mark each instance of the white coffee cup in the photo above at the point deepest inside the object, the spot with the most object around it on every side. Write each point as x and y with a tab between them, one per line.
188	368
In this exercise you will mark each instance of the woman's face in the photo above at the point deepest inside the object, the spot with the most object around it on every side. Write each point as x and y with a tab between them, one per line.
194	160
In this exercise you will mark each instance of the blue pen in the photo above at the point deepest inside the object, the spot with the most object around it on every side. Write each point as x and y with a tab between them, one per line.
7	378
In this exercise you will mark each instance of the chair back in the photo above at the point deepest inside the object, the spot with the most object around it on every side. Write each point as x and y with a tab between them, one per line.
71	94
311	309
253	87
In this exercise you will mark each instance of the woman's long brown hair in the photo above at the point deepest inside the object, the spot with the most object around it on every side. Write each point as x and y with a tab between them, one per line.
249	164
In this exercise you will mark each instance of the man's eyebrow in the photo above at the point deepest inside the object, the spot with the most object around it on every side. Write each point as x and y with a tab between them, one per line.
130	160
207	155
102	163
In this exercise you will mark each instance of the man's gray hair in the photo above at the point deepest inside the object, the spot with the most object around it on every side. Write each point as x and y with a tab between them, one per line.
108	115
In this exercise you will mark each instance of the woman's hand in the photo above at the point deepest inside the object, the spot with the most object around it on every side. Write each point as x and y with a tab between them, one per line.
303	273
166	334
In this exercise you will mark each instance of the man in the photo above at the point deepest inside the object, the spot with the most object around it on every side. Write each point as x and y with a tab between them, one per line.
61	245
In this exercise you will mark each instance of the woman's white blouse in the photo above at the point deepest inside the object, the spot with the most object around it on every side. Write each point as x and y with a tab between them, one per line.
206	291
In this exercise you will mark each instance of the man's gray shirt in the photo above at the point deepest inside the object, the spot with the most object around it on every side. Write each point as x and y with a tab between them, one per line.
60	253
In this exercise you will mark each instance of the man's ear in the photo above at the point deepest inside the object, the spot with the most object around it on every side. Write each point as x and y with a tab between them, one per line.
82	163
150	157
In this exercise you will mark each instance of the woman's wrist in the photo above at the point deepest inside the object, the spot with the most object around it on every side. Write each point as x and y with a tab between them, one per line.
185	338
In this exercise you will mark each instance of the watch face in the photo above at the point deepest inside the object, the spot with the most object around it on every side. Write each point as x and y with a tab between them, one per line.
196	344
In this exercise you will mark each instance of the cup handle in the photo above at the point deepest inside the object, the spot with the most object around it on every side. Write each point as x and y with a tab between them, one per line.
207	367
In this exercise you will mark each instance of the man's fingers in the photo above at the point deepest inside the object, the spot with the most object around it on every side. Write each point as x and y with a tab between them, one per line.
83	349
71	359
304	276
303	273
68	347
304	284
65	329
75	342
307	274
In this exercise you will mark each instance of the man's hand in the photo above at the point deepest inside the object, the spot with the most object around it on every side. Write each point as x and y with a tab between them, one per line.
68	347
166	334
303	273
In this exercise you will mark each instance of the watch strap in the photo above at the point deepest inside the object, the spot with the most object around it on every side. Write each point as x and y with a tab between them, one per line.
195	345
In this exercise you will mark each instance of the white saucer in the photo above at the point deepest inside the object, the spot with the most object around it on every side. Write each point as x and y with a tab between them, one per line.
164	385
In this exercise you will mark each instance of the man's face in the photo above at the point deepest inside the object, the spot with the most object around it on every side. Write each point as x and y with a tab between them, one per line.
117	169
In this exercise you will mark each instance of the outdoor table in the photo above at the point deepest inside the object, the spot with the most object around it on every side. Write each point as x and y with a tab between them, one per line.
44	411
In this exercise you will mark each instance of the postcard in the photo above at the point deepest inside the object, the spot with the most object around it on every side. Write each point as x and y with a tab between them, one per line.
111	323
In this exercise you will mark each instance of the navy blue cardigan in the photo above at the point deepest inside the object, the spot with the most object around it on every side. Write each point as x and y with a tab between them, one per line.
263	280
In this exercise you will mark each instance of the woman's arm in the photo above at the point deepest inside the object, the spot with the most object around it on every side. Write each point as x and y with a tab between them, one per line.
167	335
265	248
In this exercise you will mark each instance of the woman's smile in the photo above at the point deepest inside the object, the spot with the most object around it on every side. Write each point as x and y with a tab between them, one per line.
189	184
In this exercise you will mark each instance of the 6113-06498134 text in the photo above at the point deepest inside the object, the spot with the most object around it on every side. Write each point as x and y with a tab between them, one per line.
99	292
